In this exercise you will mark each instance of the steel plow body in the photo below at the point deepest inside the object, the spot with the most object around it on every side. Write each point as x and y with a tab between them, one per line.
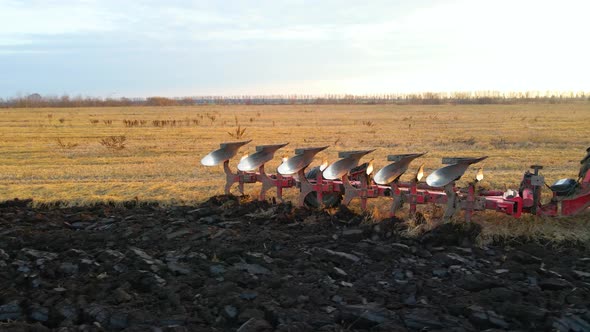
344	180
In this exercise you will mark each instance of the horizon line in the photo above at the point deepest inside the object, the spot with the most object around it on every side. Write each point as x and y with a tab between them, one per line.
438	94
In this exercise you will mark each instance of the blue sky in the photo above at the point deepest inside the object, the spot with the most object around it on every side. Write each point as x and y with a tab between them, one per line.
184	48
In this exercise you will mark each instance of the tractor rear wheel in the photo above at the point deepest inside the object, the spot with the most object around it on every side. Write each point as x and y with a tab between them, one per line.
329	200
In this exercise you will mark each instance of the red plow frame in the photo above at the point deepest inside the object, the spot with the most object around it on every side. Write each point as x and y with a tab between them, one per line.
344	180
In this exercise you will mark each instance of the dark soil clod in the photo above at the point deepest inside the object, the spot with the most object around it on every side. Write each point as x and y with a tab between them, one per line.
232	265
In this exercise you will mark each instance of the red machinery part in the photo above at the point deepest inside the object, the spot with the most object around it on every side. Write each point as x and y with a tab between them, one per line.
528	197
358	183
573	206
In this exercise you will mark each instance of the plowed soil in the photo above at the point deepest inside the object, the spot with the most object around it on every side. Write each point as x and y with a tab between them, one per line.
227	266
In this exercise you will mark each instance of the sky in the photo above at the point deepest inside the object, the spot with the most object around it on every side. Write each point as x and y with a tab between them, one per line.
113	48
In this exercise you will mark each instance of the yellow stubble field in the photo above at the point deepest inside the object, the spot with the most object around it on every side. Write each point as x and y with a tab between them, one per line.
57	154
51	154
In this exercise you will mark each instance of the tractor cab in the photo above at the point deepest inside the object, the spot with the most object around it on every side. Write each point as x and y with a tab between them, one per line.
564	187
567	187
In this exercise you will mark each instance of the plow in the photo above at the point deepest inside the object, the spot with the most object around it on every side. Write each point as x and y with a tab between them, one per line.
345	180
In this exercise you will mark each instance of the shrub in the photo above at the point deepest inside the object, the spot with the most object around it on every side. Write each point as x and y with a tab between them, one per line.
238	133
65	145
114	143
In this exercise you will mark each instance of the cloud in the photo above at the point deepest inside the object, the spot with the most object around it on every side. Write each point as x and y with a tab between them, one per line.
198	20
19	18
301	45
12	41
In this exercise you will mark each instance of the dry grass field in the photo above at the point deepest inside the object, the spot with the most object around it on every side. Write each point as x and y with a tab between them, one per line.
78	155
73	154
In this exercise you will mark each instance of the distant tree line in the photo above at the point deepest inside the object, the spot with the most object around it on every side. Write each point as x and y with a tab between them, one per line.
425	98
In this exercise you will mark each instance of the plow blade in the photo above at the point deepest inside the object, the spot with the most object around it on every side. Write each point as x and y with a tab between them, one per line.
303	157
350	159
263	154
445	175
226	152
393	171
